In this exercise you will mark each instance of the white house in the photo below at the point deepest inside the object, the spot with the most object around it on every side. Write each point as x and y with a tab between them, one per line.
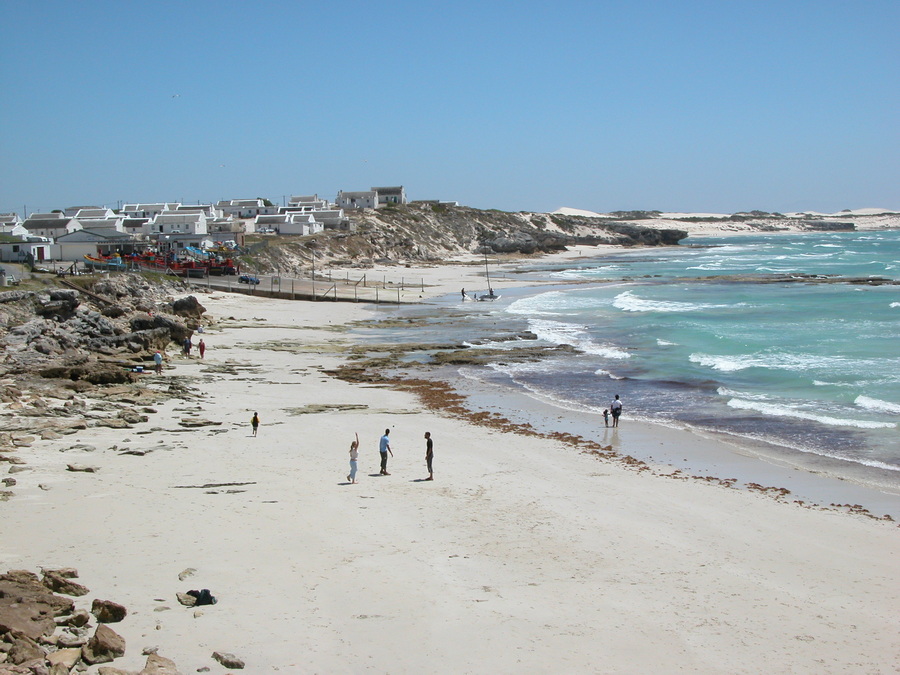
357	200
72	211
302	224
50	225
208	210
390	195
23	251
308	202
177	223
134	226
246	208
100	219
11	224
273	222
148	210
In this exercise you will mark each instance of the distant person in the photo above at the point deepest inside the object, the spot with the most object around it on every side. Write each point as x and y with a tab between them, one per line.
201	347
157	360
429	454
354	455
186	346
384	447
254	422
616	409
463	293
606	416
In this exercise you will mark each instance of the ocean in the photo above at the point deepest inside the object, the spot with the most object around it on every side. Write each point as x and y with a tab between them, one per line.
807	369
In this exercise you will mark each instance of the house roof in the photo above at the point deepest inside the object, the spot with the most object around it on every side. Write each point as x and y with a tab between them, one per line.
94	235
46	223
388	190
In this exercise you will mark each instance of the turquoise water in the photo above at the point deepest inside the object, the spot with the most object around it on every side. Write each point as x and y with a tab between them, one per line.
814	367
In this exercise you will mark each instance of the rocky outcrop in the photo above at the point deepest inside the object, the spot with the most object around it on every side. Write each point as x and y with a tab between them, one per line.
432	232
188	307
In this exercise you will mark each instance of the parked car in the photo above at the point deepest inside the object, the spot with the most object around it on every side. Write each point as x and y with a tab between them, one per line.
248	279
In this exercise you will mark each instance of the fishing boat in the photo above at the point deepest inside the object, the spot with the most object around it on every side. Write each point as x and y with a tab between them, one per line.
110	263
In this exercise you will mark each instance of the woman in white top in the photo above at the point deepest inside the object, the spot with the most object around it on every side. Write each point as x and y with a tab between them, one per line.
354	455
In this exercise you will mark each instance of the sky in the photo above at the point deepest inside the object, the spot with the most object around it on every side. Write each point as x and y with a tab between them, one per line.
690	106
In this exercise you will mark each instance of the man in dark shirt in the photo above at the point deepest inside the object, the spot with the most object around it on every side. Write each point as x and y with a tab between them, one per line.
429	454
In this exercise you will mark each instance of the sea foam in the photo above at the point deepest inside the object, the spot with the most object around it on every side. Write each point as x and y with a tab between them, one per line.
560	333
629	302
779	410
877	405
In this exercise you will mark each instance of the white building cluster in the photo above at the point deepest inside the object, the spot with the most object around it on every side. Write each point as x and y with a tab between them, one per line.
72	233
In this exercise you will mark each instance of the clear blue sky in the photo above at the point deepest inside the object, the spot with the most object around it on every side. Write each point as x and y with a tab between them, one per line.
676	106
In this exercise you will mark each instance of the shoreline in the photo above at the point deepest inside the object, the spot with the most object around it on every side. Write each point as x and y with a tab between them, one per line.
535	557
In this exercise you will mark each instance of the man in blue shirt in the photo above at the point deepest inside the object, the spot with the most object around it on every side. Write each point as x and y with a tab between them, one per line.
384	447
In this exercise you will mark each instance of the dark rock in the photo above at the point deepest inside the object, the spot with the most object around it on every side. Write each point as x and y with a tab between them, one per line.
27	606
23	649
228	660
62	585
188	307
108	611
105	646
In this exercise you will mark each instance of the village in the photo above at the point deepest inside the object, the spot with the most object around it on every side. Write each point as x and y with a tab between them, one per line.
188	239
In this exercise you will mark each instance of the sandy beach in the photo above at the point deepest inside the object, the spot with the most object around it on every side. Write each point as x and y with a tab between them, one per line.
524	555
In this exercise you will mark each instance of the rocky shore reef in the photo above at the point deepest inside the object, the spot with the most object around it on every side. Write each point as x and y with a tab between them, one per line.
76	358
42	632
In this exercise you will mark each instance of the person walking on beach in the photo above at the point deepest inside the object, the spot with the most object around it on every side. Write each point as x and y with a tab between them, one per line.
254	422
606	416
616	408
186	346
429	454
201	347
354	455
157	360
384	447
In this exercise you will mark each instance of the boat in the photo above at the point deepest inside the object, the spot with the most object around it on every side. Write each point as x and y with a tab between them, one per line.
490	295
111	263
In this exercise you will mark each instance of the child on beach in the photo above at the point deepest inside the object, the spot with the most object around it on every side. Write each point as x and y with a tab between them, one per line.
254	422
606	416
354	455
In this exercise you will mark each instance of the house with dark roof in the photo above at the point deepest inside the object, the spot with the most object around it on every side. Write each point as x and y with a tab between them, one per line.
43	225
390	195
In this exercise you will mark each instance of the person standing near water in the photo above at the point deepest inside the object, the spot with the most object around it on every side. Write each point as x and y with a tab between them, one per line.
616	409
254	422
429	454
384	447
157	360
354	455
201	346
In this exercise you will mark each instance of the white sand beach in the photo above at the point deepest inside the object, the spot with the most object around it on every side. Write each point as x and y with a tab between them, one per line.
524	555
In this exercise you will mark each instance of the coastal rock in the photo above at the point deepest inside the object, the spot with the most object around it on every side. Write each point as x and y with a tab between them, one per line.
76	620
159	665
27	607
228	660
188	307
186	600
104	646
67	657
81	468
23	649
60	584
107	611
